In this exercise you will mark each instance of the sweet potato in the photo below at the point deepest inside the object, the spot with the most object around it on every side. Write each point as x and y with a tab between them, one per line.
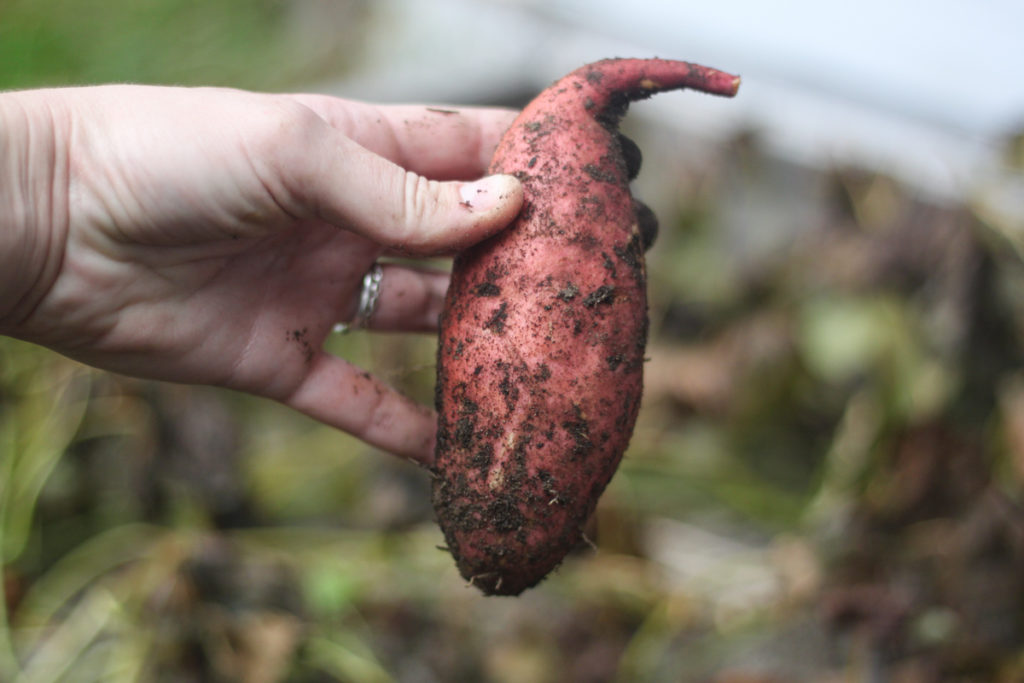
544	329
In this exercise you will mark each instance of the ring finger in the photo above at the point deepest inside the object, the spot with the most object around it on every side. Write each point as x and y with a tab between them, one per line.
410	299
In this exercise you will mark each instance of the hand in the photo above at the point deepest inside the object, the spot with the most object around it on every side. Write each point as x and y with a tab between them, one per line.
215	236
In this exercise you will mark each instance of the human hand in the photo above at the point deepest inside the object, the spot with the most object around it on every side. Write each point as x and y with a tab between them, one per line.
214	236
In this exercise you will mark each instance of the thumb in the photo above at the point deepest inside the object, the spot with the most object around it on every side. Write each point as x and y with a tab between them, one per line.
356	189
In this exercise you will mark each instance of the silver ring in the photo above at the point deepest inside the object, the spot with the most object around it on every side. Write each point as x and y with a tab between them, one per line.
368	297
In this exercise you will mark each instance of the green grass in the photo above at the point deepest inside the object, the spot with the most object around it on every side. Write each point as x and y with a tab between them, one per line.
238	43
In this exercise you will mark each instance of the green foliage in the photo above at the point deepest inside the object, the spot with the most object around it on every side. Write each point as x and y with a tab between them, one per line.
44	405
236	43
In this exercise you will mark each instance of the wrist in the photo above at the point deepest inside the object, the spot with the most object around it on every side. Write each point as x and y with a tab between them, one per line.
33	204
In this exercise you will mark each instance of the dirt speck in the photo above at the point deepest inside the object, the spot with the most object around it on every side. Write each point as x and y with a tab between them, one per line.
301	337
509	391
543	373
487	289
600	173
602	295
496	323
504	514
483	457
568	292
464	431
579	430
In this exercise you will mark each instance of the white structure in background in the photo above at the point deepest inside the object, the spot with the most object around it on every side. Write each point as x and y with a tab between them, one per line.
925	91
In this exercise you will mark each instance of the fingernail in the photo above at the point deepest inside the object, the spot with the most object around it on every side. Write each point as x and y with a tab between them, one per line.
486	193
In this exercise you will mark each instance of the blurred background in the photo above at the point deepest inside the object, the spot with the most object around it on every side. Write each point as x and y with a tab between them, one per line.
825	481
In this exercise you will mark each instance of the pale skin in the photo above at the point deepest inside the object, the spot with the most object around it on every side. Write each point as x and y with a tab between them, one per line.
210	236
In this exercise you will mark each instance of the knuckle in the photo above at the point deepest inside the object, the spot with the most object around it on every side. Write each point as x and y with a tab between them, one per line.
420	207
279	123
277	136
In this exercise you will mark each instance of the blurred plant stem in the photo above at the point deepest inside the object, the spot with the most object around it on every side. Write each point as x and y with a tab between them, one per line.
69	641
45	400
8	660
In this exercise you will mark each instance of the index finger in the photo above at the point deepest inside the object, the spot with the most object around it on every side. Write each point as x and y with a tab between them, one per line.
441	143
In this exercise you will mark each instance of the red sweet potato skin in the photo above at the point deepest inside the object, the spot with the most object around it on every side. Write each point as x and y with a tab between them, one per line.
542	345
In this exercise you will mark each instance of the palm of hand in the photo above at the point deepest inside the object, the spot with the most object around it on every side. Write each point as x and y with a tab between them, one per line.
208	275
